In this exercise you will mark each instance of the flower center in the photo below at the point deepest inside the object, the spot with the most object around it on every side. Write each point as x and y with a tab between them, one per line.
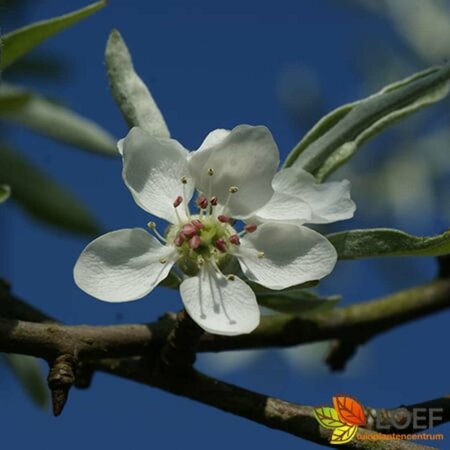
202	240
208	237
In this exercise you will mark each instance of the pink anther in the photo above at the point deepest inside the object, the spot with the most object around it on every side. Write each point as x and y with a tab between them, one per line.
202	202
234	239
195	242
197	224
179	240
250	228
221	245
213	200
224	219
178	201
189	230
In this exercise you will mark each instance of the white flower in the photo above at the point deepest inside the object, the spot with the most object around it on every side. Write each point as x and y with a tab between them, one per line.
233	173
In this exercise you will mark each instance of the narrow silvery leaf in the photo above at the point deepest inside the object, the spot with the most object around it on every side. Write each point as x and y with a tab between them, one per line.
5	192
30	376
41	196
53	120
130	93
19	42
356	244
11	98
338	136
295	300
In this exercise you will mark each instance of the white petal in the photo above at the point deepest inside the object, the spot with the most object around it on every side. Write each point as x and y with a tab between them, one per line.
247	158
214	138
152	170
292	255
218	305
123	265
329	202
284	208
120	146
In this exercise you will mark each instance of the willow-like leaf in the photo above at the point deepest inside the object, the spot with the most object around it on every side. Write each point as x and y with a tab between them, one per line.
356	244
130	93
41	196
5	192
340	134
30	376
19	42
56	121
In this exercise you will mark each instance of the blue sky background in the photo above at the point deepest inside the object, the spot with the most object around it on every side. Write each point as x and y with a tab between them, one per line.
209	65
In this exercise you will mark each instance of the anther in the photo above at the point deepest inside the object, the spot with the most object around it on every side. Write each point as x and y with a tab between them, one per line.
224	219
213	201
197	224
200	261
261	255
184	180
178	201
250	227
233	189
210	171
231	277
162	260
202	202
151	225
179	240
189	230
195	242
221	245
234	239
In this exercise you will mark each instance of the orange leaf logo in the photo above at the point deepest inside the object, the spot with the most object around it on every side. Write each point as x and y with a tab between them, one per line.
349	410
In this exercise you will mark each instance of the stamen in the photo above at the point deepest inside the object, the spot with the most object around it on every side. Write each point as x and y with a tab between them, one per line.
200	261
179	240
195	242
234	239
202	202
231	277
197	224
261	255
210	171
162	260
189	230
213	200
152	226
184	181
250	227
178	201
221	245
224	219
231	190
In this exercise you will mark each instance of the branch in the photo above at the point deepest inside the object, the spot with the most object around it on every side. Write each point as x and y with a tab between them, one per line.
291	418
356	323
